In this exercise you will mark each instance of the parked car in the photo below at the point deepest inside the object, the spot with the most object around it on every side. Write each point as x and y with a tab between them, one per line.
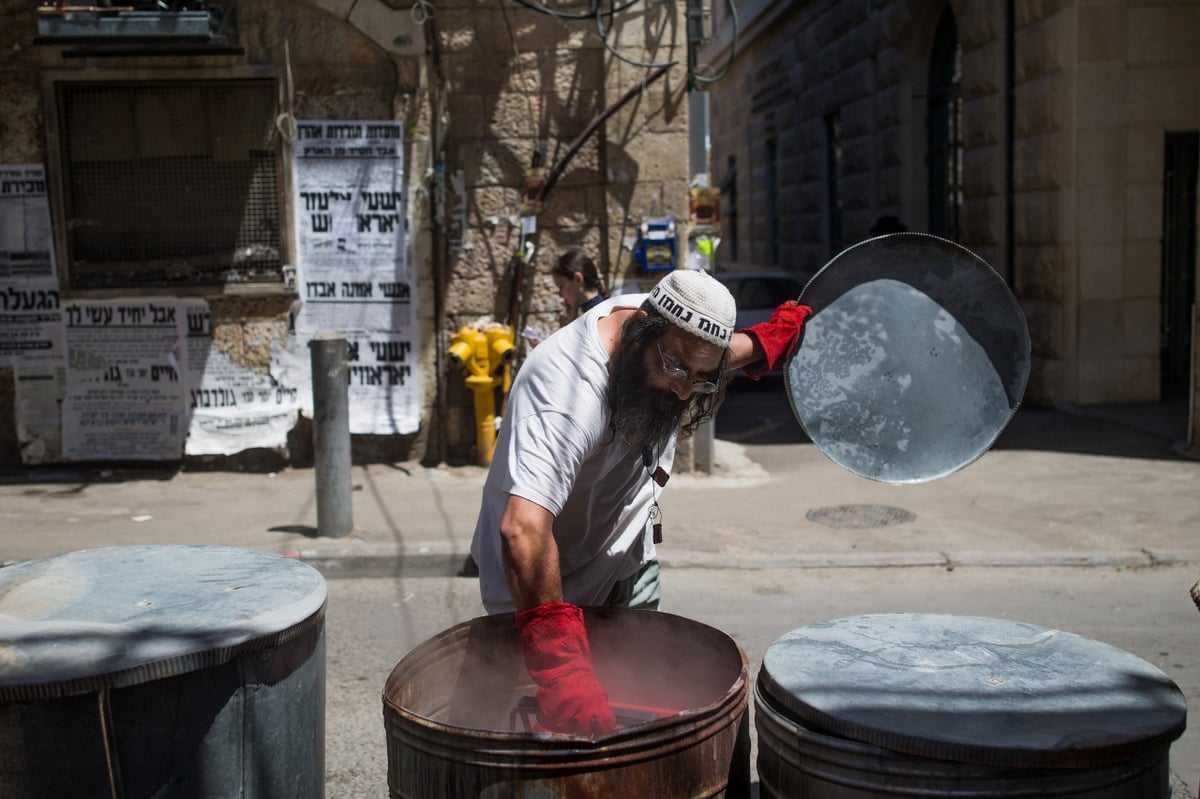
758	293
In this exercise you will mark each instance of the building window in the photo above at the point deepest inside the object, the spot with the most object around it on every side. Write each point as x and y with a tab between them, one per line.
833	174
1181	171
945	131
773	200
166	183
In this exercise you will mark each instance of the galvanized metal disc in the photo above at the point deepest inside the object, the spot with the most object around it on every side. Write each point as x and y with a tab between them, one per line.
914	360
118	616
972	689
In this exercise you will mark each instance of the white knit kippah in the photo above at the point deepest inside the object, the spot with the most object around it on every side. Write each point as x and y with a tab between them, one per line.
697	302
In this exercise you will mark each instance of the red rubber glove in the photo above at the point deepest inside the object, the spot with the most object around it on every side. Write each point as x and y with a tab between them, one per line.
557	655
779	337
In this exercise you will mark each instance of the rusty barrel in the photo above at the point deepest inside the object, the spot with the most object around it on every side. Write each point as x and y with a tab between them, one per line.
457	714
892	705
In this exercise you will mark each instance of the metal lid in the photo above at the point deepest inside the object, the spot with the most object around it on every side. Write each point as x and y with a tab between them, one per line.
914	360
972	689
119	616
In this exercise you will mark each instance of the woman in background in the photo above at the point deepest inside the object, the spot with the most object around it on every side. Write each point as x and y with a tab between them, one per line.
578	284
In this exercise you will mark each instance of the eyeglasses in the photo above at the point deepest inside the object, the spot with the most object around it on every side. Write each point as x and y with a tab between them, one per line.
675	371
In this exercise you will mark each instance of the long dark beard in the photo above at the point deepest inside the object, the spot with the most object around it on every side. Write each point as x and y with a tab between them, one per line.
642	418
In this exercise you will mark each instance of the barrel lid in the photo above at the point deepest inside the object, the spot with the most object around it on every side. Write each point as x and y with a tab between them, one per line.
118	616
913	362
972	689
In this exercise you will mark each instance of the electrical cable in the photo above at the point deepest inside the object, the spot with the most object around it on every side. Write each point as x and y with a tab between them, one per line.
599	15
710	79
573	14
603	33
594	125
635	63
285	123
422	11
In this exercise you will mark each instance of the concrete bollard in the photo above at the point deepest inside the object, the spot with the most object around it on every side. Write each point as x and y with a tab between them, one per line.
331	433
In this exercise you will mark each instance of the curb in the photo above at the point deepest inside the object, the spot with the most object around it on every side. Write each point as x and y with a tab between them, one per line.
442	560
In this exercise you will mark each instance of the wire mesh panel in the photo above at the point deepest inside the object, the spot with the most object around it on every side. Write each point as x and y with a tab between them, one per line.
170	182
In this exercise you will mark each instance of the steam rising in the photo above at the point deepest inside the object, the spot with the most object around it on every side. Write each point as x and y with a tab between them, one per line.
473	675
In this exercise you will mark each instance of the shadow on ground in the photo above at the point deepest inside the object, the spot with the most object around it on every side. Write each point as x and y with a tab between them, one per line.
1155	431
759	413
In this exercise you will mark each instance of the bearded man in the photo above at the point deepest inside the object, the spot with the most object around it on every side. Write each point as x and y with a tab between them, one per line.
569	512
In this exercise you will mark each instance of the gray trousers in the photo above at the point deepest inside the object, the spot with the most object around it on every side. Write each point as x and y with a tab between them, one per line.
640	590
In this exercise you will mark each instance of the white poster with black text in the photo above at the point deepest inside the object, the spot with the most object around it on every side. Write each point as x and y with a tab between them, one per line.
231	406
31	325
353	271
125	393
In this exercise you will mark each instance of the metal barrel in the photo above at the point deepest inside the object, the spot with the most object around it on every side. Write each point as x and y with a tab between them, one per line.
452	706
172	672
926	704
795	761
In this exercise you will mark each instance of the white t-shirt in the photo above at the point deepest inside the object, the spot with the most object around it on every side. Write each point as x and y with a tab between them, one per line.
555	448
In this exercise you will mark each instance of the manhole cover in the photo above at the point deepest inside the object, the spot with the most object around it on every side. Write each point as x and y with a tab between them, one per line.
859	516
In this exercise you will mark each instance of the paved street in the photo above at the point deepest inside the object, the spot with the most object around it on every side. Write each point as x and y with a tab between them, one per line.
1083	520
1146	611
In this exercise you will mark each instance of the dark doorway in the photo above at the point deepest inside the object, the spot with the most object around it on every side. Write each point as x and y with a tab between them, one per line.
1181	169
945	157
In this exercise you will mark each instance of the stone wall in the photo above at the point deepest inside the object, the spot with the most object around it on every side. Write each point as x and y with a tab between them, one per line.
1096	86
515	80
479	86
813	71
1137	74
336	71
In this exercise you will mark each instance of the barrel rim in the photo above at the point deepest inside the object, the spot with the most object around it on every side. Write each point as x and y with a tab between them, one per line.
313	607
780	699
733	702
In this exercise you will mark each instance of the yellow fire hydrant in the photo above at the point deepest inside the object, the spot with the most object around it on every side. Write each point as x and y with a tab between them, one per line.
485	355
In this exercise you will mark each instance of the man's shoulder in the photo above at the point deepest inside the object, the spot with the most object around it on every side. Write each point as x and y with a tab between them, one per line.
633	300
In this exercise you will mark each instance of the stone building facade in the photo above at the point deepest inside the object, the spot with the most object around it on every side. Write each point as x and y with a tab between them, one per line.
485	91
1057	140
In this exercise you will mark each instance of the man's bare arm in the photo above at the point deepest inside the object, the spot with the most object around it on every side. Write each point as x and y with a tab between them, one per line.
743	350
530	554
